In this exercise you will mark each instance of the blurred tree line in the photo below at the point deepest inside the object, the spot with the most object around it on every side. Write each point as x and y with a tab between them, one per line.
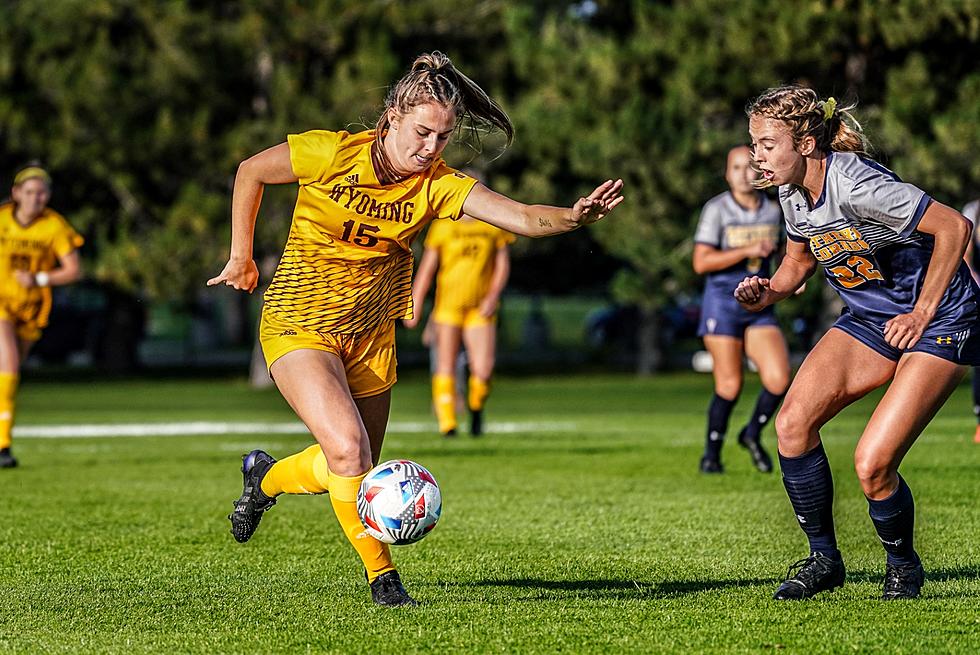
142	111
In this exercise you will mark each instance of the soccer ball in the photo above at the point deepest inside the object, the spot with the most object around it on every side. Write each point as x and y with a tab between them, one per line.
399	502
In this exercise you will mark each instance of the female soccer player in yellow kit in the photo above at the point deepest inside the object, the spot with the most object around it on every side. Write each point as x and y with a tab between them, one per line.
38	250
473	265
327	327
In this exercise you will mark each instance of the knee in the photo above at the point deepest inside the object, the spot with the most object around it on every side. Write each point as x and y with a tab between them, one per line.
728	387
776	382
348	458
795	430
875	474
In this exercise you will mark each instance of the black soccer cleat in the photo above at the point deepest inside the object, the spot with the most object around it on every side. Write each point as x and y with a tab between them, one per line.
476	422
903	581
760	458
387	590
450	433
711	465
249	508
814	574
7	461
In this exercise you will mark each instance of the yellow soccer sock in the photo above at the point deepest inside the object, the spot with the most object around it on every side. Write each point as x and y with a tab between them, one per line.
444	399
305	472
373	553
8	390
479	391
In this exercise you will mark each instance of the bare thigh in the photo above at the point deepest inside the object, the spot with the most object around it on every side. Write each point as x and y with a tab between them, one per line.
922	384
448	340
481	343
9	348
726	355
766	346
314	384
838	371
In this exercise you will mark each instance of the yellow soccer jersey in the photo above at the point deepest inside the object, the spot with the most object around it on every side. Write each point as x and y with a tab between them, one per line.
347	264
33	248
467	252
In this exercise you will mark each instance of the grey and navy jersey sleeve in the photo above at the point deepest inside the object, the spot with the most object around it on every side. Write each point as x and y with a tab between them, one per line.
970	210
710	226
786	204
880	197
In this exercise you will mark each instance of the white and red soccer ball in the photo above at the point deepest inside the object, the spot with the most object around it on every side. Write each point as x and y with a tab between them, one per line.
399	502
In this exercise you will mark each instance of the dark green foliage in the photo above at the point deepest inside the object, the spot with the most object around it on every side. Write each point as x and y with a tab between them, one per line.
143	109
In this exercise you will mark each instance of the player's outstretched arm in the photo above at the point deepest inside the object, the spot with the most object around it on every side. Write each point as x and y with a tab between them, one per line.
755	293
542	220
423	282
271	166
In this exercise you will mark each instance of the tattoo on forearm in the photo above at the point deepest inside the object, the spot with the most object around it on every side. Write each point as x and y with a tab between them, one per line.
543	222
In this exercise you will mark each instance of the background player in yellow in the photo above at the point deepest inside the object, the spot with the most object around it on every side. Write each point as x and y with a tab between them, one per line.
38	250
327	326
473	264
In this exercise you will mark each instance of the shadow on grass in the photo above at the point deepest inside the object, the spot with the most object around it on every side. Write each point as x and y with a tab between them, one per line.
623	588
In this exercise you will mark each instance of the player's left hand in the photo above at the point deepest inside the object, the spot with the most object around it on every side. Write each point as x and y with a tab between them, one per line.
241	274
488	307
597	204
25	279
904	330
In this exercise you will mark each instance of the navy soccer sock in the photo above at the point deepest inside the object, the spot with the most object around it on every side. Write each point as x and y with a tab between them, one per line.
765	408
810	487
719	411
894	520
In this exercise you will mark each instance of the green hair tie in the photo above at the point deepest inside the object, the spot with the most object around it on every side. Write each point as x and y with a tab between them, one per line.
829	105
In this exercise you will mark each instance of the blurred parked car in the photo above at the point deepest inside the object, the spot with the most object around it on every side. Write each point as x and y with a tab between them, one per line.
93	323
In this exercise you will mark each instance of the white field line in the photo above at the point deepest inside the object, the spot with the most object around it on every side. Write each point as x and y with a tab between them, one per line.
83	431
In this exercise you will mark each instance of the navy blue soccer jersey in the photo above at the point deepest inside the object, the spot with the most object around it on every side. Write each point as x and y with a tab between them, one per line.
725	224
862	230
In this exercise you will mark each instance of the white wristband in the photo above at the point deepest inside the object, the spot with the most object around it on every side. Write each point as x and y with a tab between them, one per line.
42	279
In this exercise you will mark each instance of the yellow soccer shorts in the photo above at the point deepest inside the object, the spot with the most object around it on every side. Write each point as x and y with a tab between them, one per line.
25	320
368	357
462	317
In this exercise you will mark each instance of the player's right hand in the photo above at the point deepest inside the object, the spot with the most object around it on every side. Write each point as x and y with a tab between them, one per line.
241	274
762	248
753	293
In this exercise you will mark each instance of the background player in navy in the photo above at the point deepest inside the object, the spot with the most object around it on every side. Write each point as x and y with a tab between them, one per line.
895	256
972	210
736	235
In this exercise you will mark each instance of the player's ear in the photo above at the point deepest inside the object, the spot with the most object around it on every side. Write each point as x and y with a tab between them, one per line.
394	118
807	145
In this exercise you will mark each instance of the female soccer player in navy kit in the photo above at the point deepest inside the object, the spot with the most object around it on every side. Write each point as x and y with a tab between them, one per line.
972	211
895	257
736	235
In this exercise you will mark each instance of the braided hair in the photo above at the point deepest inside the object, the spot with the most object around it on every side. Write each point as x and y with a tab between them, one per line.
433	78
831	126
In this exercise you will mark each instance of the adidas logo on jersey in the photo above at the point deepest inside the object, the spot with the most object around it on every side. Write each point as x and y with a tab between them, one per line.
351	179
288	333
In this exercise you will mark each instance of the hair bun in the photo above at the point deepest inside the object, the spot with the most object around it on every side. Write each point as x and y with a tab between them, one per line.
433	62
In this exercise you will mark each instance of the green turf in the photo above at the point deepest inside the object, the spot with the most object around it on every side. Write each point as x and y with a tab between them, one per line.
591	533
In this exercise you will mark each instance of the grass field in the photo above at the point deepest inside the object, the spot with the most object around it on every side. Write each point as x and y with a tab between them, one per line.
578	525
